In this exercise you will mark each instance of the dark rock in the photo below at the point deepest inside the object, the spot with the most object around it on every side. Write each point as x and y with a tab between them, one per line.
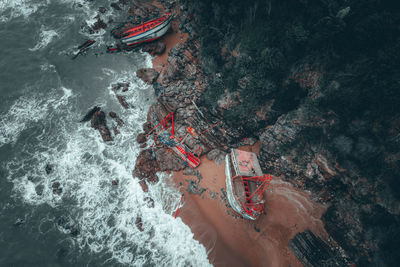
144	186
173	71
39	189
114	182
98	119
217	155
147	127
313	251
193	187
99	24
141	138
115	130
116	118
57	191
139	224
74	232
48	168
122	101
150	202
115	6
99	122
102	9
124	86
146	166
168	160
154	48
90	114
55	185
148	75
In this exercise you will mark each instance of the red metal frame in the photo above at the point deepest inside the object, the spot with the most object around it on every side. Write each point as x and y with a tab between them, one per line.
262	183
180	149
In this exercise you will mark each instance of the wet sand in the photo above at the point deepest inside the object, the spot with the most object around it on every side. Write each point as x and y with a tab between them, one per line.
234	241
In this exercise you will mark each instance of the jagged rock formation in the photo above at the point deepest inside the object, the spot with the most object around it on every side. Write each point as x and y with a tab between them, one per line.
314	251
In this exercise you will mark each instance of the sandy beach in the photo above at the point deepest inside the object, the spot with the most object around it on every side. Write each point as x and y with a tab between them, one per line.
234	241
229	239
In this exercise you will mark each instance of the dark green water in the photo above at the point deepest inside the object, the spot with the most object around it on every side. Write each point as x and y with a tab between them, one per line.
43	96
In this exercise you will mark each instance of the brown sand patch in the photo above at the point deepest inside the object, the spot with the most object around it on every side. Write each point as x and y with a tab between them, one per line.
234	241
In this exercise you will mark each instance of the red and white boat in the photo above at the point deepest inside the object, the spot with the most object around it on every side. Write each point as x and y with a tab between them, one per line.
245	183
148	31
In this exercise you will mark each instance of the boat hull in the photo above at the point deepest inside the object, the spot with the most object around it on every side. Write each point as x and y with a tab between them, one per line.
233	201
149	35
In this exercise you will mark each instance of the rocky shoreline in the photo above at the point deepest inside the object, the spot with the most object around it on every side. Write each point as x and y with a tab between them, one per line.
295	146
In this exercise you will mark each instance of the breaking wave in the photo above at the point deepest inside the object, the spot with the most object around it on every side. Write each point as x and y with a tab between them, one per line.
10	9
105	215
27	111
45	37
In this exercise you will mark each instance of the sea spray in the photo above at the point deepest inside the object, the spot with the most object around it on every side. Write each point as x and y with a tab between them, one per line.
85	166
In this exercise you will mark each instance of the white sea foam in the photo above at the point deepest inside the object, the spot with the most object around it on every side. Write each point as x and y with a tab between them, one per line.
10	9
85	167
45	37
26	111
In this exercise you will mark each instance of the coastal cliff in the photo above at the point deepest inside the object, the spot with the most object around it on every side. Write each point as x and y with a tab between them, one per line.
315	83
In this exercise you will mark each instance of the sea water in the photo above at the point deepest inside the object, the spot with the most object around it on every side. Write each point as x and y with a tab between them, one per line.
44	94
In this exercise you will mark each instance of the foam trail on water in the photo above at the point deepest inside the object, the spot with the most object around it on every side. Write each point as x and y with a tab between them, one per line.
85	167
45	37
10	9
25	112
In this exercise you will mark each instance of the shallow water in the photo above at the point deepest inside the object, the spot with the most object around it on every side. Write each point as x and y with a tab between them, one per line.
43	96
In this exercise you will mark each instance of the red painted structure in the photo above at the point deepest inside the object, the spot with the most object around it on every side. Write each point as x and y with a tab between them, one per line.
245	183
164	135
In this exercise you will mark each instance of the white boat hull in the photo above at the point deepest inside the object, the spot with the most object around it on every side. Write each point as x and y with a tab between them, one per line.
235	204
154	33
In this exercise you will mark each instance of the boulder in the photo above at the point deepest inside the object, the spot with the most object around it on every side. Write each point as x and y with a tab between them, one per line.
148	75
144	186
217	155
141	138
122	101
115	6
146	166
139	224
99	24
48	168
99	122
90	114
168	160
154	48
116	118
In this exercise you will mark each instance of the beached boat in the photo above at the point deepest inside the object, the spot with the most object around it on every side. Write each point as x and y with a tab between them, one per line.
245	183
148	31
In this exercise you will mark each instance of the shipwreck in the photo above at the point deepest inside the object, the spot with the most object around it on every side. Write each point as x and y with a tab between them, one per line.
245	183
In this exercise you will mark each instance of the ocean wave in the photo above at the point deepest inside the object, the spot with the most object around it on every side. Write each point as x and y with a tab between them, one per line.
106	214
45	37
26	111
10	9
